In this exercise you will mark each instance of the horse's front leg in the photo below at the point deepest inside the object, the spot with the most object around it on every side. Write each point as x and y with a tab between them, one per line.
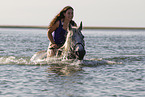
59	53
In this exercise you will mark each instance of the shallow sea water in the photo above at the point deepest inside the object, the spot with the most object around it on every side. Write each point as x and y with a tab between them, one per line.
20	78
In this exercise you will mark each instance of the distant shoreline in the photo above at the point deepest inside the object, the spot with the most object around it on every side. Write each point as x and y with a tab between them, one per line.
86	27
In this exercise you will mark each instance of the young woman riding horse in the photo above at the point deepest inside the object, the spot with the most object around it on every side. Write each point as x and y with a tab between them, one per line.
57	29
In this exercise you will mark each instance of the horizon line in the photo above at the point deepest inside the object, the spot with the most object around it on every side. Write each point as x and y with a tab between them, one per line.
85	27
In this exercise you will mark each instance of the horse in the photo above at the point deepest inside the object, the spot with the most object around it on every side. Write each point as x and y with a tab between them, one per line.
73	48
70	57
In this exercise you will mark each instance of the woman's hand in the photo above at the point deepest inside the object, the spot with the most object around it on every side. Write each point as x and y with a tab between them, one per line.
53	46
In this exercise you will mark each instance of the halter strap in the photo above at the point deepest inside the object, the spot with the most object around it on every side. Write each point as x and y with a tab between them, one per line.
77	44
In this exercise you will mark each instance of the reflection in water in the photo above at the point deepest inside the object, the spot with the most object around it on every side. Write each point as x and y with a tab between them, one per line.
66	82
65	69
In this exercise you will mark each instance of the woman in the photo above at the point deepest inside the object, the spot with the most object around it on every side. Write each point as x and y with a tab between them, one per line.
57	29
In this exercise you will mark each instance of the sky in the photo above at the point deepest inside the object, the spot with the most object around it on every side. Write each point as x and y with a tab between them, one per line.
118	13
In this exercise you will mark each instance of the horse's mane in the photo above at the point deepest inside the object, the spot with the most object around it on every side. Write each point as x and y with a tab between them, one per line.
68	41
67	44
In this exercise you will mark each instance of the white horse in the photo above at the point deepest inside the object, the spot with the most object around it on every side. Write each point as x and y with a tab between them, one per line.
73	48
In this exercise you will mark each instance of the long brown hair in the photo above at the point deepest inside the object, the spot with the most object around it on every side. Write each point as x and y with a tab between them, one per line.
60	16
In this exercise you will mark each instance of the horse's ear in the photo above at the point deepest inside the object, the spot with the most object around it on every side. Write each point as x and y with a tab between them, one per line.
70	27
80	26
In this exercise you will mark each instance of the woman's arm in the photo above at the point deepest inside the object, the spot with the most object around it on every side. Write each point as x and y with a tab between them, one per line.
49	33
50	37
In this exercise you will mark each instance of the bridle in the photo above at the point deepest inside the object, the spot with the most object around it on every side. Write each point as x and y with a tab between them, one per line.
78	44
73	48
74	43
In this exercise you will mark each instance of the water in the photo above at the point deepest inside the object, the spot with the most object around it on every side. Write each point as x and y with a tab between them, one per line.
20	78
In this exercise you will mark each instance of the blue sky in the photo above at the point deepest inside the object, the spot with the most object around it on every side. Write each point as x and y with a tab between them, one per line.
90	12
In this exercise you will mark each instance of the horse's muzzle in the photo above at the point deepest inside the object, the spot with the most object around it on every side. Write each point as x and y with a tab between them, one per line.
80	54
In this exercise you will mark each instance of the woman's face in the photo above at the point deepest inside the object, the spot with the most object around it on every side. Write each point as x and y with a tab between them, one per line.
69	14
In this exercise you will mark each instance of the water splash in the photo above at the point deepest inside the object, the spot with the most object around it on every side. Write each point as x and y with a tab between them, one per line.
56	65
13	60
54	60
19	61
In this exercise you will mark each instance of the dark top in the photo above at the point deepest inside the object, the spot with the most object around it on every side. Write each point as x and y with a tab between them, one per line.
59	35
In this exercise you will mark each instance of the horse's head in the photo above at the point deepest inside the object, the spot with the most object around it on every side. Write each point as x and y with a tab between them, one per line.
75	42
